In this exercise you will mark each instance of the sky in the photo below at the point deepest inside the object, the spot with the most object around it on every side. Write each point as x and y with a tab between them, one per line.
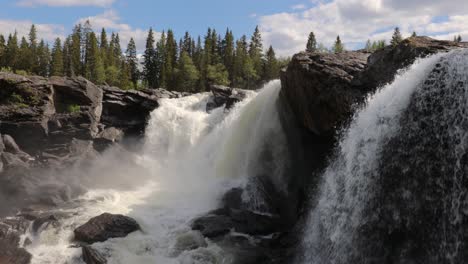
284	24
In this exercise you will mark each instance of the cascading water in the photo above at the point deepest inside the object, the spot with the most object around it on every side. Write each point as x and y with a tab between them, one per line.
191	158
397	190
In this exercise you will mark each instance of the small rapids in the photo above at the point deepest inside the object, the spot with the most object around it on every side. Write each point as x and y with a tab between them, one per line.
190	158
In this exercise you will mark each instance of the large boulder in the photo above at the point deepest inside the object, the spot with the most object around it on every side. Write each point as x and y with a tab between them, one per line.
105	226
224	96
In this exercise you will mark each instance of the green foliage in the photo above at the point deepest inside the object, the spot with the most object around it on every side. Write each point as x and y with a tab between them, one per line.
112	75
338	47
217	74
16	98
311	43
396	38
187	74
73	108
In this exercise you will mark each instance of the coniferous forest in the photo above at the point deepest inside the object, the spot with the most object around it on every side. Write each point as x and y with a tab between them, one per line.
190	64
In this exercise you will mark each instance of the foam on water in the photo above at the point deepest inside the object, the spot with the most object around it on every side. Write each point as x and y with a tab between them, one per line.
191	158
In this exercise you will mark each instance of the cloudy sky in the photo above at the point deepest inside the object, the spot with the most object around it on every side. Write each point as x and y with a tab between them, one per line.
285	24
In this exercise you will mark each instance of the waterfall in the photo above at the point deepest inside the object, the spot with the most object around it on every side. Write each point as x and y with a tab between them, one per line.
396	191
190	158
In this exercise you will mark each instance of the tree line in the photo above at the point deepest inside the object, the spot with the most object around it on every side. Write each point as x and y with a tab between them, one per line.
190	64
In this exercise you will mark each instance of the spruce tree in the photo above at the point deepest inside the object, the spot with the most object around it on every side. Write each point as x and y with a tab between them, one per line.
104	47
110	52
170	59
75	52
67	62
43	54
2	51
34	60
12	51
149	65
132	62
125	82
56	67
396	38
459	38
256	52
271	70
311	43
369	47
186	74
414	34
95	71
24	62
228	53
338	47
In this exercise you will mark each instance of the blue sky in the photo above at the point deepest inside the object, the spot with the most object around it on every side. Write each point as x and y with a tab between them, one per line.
285	24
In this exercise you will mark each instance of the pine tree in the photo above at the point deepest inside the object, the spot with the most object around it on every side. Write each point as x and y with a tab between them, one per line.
75	52
271	70
186	74
160	60
132	61
2	51
43	54
414	34
104	47
24	62
110	52
311	43
256	52
170	59
338	47
67	62
396	38
12	51
117	52
125	78
228	53
149	65
459	38
56	67
34	60
94	68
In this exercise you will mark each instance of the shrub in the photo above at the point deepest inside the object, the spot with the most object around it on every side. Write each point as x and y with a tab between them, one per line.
73	108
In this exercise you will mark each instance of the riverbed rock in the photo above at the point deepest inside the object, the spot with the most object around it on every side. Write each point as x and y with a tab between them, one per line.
92	256
10	250
224	96
222	221
105	226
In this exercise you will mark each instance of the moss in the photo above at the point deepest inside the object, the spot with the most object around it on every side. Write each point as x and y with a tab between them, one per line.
21	105
73	108
16	98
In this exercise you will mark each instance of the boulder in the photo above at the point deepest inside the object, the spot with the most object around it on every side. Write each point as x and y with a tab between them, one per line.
10	144
2	145
108	137
92	256
224	96
10	250
222	221
105	226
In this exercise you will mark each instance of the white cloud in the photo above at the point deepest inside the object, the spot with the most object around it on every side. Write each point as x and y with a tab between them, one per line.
110	20
99	3
48	32
298	7
358	20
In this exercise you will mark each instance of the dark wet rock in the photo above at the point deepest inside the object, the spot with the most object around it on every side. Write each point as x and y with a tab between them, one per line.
222	221
44	222
92	256
13	161
233	199
224	96
107	138
105	226
10	251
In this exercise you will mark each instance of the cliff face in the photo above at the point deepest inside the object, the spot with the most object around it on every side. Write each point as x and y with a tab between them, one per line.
321	88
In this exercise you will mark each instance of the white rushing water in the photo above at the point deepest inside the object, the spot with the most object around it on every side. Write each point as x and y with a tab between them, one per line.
190	158
347	183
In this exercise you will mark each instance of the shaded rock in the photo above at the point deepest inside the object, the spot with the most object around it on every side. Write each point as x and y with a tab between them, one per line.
10	251
43	222
10	144
108	137
129	110
382	65
105	226
224	96
222	221
11	160
233	198
92	256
